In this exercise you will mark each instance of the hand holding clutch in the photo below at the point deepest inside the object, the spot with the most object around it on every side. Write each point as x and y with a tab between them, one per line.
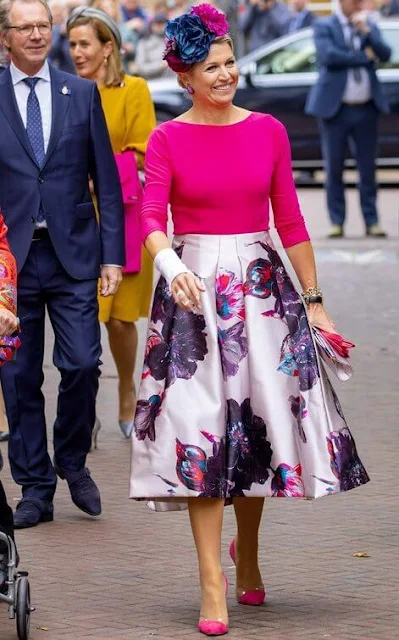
318	317
9	339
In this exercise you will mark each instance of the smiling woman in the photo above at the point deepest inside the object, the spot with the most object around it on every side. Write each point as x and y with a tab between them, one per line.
233	406
214	80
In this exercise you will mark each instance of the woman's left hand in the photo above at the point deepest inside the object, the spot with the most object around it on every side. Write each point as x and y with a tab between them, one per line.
9	322
319	318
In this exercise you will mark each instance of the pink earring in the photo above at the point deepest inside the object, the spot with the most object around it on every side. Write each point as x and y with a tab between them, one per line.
190	90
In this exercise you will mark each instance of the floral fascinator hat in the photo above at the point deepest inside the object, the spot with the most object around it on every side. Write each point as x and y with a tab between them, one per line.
189	37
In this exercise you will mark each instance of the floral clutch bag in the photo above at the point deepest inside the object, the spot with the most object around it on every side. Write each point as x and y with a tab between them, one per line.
8	348
334	351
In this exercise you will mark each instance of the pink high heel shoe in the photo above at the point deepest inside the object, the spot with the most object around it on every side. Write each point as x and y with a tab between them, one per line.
215	627
254	597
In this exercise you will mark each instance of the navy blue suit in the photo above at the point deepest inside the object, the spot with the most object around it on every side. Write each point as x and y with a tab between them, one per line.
58	272
341	123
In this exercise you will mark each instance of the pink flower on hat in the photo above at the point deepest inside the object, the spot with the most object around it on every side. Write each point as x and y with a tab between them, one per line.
212	18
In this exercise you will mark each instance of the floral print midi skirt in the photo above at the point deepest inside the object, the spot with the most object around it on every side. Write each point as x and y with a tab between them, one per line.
234	400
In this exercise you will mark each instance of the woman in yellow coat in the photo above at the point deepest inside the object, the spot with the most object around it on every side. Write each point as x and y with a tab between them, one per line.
129	111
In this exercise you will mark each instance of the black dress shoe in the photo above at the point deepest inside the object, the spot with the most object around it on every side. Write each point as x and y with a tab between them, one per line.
84	491
4	436
31	511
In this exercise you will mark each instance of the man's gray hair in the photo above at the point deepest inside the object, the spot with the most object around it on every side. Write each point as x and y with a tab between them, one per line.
5	8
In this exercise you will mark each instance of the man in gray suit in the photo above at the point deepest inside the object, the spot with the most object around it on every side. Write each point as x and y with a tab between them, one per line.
301	16
347	98
263	21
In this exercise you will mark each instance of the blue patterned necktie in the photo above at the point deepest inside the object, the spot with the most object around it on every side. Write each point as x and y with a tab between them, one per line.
357	74
34	126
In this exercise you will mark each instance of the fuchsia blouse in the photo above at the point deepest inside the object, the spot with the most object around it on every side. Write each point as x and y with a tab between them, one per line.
219	179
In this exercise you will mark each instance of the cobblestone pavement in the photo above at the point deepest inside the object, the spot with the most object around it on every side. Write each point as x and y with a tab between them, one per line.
131	574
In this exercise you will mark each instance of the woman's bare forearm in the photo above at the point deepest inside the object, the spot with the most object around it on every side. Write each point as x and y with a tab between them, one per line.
156	241
302	259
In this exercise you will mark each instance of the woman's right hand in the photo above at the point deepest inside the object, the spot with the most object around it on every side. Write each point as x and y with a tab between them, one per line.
186	290
319	318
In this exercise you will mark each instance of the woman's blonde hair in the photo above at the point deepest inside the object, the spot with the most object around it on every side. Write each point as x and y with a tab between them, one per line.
114	72
220	40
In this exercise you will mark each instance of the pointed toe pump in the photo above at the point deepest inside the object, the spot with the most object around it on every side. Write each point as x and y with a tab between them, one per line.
252	597
126	426
214	627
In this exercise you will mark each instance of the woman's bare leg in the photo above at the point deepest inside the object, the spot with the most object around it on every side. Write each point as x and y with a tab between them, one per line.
206	517
248	513
123	340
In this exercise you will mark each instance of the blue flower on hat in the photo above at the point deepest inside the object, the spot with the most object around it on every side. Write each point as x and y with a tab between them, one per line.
191	38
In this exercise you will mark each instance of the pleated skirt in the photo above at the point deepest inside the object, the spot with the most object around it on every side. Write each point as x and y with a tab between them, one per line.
234	400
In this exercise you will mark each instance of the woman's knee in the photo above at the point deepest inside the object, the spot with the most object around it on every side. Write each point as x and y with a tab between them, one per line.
116	326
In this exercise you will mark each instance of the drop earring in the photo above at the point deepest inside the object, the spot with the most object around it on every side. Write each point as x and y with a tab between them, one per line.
189	89
105	60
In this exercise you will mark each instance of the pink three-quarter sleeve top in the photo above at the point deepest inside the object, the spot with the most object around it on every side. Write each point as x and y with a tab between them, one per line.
220	179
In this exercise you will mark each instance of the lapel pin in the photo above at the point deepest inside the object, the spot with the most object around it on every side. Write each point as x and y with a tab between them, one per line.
65	91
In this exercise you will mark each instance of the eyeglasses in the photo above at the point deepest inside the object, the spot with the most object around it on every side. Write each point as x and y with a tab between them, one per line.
26	30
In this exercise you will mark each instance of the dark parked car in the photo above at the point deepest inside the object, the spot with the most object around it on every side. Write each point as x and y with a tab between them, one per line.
276	79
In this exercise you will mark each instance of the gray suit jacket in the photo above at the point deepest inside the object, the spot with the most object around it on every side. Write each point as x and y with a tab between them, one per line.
262	26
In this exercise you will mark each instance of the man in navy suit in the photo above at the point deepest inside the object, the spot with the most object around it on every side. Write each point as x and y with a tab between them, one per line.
347	98
53	138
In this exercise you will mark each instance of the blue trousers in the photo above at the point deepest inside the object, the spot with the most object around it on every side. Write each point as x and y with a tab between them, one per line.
73	311
356	127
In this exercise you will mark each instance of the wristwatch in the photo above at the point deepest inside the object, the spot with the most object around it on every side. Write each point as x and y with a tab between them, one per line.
312	295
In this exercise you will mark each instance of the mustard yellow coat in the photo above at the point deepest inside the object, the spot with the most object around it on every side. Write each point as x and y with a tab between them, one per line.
130	116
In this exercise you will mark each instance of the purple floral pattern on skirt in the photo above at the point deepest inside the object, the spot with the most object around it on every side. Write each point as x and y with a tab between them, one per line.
267	277
234	401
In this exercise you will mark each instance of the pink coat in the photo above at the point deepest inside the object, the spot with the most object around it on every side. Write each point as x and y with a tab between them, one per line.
132	198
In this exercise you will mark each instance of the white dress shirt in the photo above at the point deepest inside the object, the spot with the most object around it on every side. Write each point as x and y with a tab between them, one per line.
355	92
43	92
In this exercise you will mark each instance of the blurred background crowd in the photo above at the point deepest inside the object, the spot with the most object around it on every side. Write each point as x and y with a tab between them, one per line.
142	24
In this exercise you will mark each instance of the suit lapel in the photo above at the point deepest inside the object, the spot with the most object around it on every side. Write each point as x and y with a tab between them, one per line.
60	101
8	104
339	31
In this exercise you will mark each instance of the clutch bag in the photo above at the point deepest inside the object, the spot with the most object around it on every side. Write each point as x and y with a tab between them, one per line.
132	193
8	348
334	351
